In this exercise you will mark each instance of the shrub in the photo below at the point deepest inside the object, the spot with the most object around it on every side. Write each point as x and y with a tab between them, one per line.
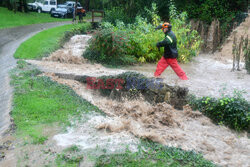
109	47
234	111
140	40
144	38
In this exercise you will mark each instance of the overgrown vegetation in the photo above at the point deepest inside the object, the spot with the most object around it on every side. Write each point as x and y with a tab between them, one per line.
45	42
153	154
232	111
39	102
206	11
230	13
122	44
109	47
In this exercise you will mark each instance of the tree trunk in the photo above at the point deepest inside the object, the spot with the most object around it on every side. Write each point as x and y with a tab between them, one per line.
87	2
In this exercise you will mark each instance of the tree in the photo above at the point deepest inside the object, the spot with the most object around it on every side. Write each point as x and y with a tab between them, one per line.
87	2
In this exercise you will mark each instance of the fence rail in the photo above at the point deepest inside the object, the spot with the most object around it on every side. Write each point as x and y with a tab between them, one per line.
97	18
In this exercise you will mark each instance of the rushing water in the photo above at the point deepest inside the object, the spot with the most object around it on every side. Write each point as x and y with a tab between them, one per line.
161	123
207	76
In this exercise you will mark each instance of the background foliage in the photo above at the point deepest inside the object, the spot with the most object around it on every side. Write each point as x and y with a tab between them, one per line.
139	39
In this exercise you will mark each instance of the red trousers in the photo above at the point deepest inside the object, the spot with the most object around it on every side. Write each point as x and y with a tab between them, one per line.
164	63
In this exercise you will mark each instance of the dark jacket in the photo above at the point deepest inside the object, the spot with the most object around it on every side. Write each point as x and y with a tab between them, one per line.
170	45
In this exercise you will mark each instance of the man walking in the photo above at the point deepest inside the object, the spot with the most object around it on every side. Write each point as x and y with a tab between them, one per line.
170	53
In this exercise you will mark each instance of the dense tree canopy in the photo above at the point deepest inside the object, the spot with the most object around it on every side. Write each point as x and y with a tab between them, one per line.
204	10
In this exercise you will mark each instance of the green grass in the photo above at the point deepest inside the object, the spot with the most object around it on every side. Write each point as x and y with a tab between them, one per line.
11	19
154	155
39	103
70	157
45	42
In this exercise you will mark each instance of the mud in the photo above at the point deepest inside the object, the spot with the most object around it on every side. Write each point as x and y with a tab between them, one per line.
187	129
69	60
71	52
225	52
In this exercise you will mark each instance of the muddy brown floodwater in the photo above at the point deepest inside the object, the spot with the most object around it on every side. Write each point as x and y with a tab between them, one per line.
187	129
207	76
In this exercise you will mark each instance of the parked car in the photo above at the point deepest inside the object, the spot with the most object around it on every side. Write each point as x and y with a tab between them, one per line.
66	10
47	6
34	6
62	12
69	4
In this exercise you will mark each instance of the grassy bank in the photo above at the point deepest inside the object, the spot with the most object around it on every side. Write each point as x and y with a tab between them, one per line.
11	19
40	102
48	41
149	154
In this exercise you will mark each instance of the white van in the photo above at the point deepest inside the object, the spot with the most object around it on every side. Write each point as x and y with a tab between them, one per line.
47	6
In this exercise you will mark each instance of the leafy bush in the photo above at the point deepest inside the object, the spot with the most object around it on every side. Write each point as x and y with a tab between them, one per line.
109	47
144	38
139	40
231	111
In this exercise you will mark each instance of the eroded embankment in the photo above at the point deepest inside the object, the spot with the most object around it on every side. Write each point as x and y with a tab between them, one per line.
187	129
161	123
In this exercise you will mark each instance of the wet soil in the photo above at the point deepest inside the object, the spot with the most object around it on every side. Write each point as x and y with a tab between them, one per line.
187	129
243	29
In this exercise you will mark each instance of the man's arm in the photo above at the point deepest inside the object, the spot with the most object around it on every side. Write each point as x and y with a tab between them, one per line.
165	42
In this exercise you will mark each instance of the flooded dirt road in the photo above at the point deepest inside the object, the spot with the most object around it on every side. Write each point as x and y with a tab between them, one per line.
10	39
207	74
